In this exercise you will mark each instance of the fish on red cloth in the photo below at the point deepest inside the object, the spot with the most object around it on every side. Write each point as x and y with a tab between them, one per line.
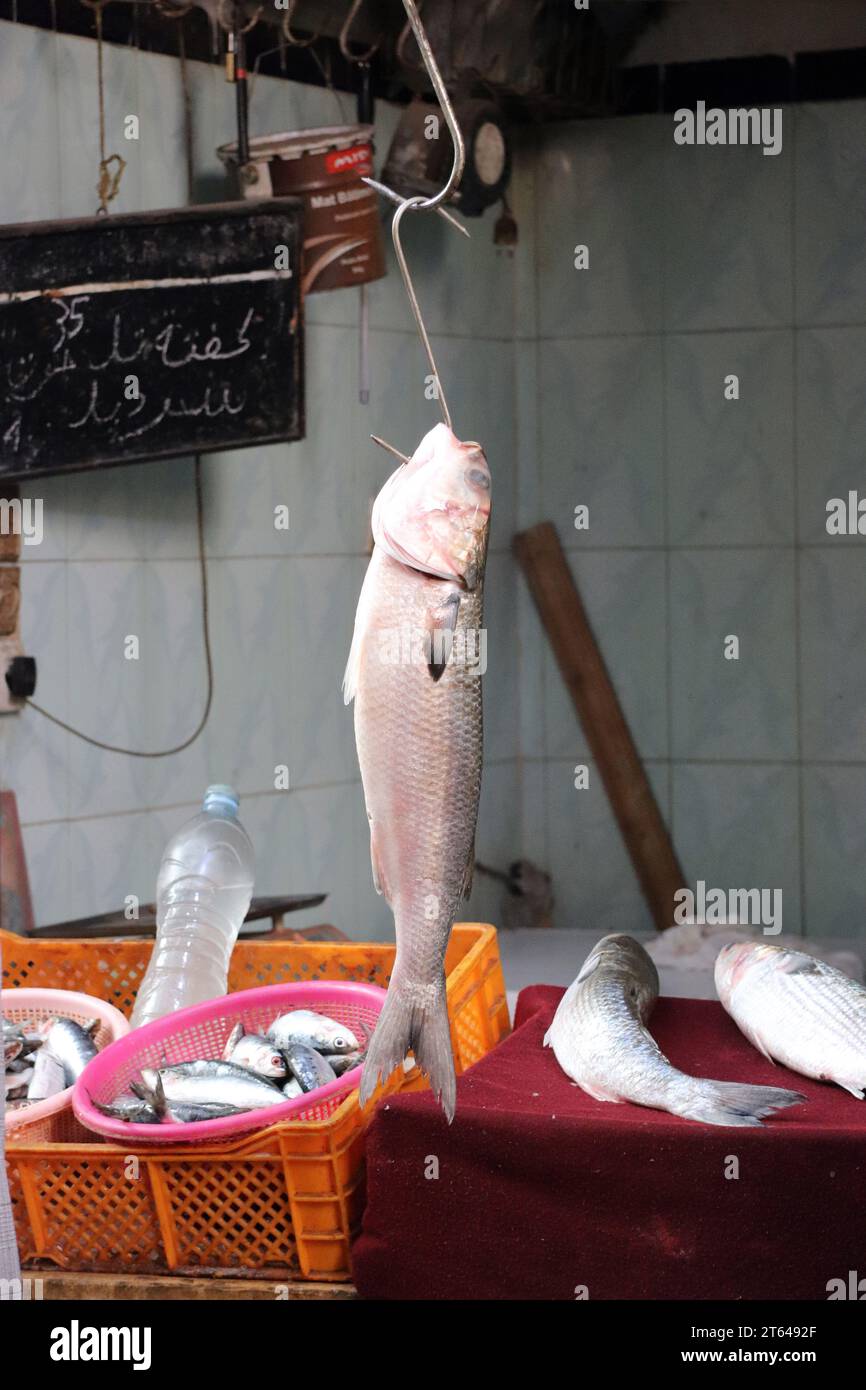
543	1192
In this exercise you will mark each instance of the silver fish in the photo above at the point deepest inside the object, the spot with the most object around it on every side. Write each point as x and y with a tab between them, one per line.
599	1038
130	1108
212	1082
417	693
314	1030
340	1063
796	1010
72	1045
261	1056
308	1066
18	1079
13	1046
49	1076
188	1113
292	1089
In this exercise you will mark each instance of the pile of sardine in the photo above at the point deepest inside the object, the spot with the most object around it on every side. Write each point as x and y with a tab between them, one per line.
44	1058
300	1052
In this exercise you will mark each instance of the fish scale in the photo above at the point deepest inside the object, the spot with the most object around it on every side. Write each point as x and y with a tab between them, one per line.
436	731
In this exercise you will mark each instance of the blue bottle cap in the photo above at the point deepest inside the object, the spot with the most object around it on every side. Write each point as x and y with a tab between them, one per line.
220	797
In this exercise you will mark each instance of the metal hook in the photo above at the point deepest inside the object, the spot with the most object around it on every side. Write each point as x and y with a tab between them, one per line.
426	204
404	207
242	29
291	6
344	37
401	46
433	204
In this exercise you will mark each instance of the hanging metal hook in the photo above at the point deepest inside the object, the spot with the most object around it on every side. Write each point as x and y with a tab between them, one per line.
427	204
291	6
344	38
417	204
433	204
401	46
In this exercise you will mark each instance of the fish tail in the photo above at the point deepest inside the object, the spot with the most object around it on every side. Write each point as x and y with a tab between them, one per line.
407	1024
734	1103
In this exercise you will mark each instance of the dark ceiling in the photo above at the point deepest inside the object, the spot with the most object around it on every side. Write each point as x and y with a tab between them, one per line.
542	59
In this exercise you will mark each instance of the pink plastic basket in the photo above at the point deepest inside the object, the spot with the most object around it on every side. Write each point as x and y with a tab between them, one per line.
201	1032
50	1121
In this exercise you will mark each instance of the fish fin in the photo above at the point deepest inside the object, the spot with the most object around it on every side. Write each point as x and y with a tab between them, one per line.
353	665
599	1095
590	965
232	1041
439	638
380	882
736	1104
469	873
405	1025
795	963
756	1040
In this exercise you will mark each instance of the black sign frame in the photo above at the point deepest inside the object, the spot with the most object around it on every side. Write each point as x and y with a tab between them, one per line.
135	269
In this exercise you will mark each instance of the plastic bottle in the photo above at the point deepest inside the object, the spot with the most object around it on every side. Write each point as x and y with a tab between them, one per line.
202	896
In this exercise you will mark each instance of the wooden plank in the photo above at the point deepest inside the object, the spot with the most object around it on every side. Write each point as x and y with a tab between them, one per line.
646	837
63	1284
110	924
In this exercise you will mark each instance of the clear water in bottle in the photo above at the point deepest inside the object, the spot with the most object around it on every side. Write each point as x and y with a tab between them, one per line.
202	896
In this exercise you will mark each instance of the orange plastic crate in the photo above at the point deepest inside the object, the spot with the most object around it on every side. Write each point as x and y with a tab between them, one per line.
283	1203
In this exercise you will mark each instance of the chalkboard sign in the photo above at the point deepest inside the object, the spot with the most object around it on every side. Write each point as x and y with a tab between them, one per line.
150	335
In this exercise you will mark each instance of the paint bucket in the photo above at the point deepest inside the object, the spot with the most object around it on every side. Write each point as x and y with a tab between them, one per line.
342	233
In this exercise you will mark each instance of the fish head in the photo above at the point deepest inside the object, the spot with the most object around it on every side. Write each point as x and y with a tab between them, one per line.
433	514
734	962
337	1039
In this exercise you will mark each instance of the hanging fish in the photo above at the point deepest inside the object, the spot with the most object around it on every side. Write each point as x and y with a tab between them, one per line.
417	694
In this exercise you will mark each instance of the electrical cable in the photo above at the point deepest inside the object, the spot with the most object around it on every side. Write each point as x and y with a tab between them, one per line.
165	752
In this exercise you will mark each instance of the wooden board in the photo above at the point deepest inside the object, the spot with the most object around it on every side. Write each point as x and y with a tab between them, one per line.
150	335
581	664
62	1284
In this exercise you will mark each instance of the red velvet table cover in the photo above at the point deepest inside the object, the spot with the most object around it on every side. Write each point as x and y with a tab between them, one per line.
544	1193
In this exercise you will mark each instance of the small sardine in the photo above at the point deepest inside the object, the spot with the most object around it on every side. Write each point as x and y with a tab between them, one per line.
308	1066
49	1076
72	1045
18	1079
212	1083
186	1113
340	1063
130	1108
796	1010
259	1055
313	1030
600	1040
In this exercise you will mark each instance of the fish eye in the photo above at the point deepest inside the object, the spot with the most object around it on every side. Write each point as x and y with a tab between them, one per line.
477	478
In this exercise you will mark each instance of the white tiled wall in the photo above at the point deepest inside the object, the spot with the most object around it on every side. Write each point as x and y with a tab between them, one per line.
707	517
119	554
